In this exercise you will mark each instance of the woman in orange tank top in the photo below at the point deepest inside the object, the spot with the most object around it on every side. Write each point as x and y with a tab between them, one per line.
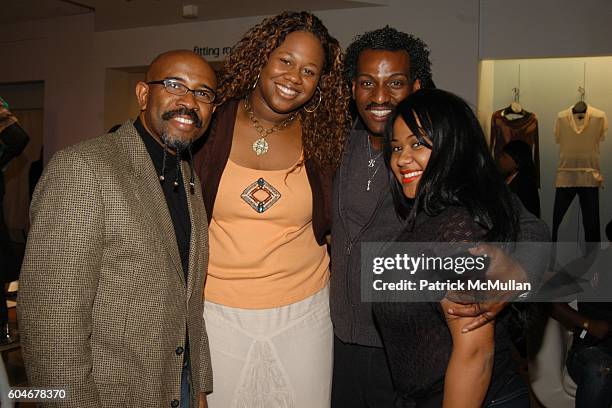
266	171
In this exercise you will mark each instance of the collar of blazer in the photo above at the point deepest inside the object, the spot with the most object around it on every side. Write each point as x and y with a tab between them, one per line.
149	192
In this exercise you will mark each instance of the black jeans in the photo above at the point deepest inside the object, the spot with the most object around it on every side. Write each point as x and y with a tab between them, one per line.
514	394
361	377
589	205
590	368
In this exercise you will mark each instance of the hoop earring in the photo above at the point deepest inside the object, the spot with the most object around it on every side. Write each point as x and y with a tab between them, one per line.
256	80
318	103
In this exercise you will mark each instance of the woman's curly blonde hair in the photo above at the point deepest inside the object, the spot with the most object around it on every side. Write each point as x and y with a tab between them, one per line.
324	130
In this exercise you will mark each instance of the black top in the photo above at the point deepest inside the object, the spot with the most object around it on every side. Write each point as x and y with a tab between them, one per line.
416	337
360	178
353	320
175	196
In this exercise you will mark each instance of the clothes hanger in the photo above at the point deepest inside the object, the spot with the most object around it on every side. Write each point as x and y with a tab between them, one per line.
515	108
580	107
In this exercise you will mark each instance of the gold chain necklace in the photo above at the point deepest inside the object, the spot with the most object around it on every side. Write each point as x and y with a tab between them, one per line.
260	146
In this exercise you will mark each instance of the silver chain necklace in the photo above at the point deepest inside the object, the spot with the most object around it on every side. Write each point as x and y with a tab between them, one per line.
372	163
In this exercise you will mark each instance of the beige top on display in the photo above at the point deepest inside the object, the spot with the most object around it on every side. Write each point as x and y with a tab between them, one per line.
578	136
267	256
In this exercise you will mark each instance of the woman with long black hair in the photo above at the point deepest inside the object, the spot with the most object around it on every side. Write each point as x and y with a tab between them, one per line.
446	185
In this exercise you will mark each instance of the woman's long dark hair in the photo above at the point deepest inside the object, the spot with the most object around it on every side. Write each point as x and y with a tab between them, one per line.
460	171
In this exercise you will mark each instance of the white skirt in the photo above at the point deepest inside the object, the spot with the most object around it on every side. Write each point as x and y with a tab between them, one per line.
271	358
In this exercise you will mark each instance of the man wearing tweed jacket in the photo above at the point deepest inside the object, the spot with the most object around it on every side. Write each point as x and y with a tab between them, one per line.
110	298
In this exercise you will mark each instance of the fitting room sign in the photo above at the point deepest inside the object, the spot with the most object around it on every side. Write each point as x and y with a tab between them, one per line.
212	52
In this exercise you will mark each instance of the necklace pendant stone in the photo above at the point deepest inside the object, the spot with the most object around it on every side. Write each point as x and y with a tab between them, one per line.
368	187
371	162
260	146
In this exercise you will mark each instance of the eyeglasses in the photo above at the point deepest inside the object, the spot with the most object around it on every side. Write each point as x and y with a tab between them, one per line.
176	88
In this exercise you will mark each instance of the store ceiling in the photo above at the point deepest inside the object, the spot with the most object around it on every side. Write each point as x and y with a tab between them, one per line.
121	14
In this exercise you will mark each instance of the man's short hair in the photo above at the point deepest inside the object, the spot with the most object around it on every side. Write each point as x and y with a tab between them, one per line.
389	39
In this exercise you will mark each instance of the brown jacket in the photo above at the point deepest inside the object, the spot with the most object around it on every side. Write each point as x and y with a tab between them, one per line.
103	305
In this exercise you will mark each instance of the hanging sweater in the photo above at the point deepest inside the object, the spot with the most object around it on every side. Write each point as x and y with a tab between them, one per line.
504	130
578	136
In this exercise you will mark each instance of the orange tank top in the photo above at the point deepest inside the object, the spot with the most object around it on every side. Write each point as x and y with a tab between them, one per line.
263	252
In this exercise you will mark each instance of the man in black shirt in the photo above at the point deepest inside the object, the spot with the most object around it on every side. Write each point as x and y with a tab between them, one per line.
383	67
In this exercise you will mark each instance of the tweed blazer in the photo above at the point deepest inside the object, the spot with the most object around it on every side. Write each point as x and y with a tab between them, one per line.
103	305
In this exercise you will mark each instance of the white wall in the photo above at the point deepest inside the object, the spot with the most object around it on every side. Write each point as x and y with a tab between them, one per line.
72	59
29	95
120	101
545	28
548	86
542	29
59	52
485	95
